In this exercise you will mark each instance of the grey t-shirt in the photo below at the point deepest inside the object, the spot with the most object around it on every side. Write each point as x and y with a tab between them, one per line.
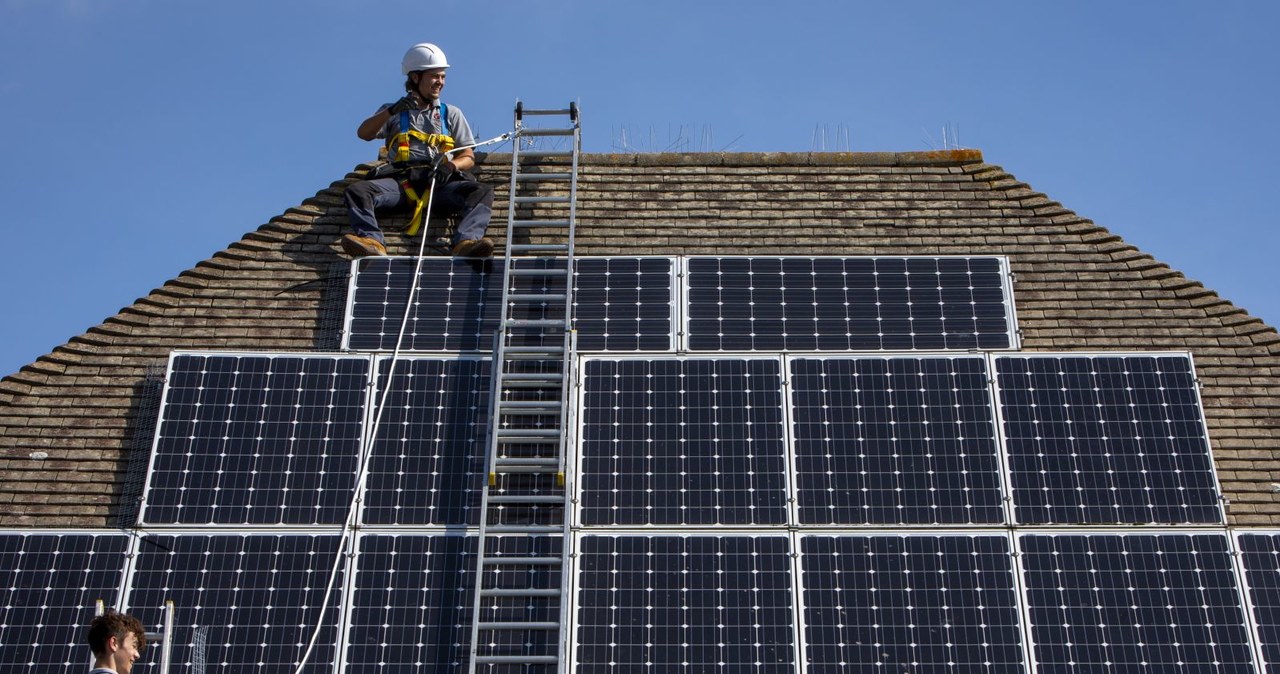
427	120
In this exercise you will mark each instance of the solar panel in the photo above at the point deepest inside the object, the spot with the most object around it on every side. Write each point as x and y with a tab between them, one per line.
624	304
848	304
412	603
621	304
910	603
257	439
49	583
1134	603
428	456
895	441
257	595
456	308
1260	554
1100	439
682	441
685	603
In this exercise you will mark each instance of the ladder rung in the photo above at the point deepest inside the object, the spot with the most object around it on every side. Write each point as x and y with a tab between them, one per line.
540	350
536	177
531	659
523	406
547	132
542	200
536	323
534	297
532	357
532	376
545	111
528	592
545	385
552	500
519	461
536	272
518	626
546	154
524	529
528	432
540	223
534	412
525	470
506	439
525	247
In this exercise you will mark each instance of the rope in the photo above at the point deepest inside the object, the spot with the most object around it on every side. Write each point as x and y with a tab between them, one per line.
366	449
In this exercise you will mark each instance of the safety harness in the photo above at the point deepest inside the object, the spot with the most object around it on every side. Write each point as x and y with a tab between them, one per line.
398	147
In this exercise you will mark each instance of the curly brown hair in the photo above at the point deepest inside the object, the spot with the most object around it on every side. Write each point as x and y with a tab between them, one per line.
117	625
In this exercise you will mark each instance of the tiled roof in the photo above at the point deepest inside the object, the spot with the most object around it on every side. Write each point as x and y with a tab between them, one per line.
81	412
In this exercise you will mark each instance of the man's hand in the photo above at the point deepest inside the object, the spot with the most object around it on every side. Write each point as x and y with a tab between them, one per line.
445	171
409	102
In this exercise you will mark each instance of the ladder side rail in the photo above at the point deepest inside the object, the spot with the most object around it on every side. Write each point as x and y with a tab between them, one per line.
566	547
491	454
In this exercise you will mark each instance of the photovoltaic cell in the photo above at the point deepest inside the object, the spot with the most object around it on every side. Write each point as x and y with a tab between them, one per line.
895	441
910	604
1260	553
49	584
412	604
1106	439
428	455
621	304
847	304
1134	603
685	604
257	595
257	439
682	441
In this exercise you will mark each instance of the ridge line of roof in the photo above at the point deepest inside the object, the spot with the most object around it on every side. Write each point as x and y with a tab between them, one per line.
925	158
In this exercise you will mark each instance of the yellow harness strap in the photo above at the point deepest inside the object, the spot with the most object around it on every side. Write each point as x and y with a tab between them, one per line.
439	141
415	223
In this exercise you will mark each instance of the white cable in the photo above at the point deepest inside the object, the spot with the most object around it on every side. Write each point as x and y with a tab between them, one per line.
366	448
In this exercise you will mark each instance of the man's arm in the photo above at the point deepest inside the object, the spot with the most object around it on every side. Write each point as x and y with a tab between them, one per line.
369	128
464	160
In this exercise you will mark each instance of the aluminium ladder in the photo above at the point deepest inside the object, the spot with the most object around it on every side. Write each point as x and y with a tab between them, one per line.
520	608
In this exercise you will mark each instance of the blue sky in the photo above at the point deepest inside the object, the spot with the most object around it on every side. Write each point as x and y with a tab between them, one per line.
141	136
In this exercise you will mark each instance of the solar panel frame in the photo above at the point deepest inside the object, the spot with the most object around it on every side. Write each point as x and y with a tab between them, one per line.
968	423
578	605
478	282
586	476
588	339
70	569
1184	591
1210	509
1257	556
448	282
428	564
240	626
184	422
450	494
861	584
858	340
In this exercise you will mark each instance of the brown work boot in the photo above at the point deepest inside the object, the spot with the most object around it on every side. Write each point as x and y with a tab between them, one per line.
362	246
478	248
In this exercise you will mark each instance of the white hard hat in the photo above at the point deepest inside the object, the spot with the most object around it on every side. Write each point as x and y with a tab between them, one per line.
423	56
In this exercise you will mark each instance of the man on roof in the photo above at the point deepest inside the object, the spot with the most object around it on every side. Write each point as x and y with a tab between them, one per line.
420	131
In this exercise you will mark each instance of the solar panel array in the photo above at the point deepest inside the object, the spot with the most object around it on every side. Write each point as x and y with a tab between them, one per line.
702	304
825	464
